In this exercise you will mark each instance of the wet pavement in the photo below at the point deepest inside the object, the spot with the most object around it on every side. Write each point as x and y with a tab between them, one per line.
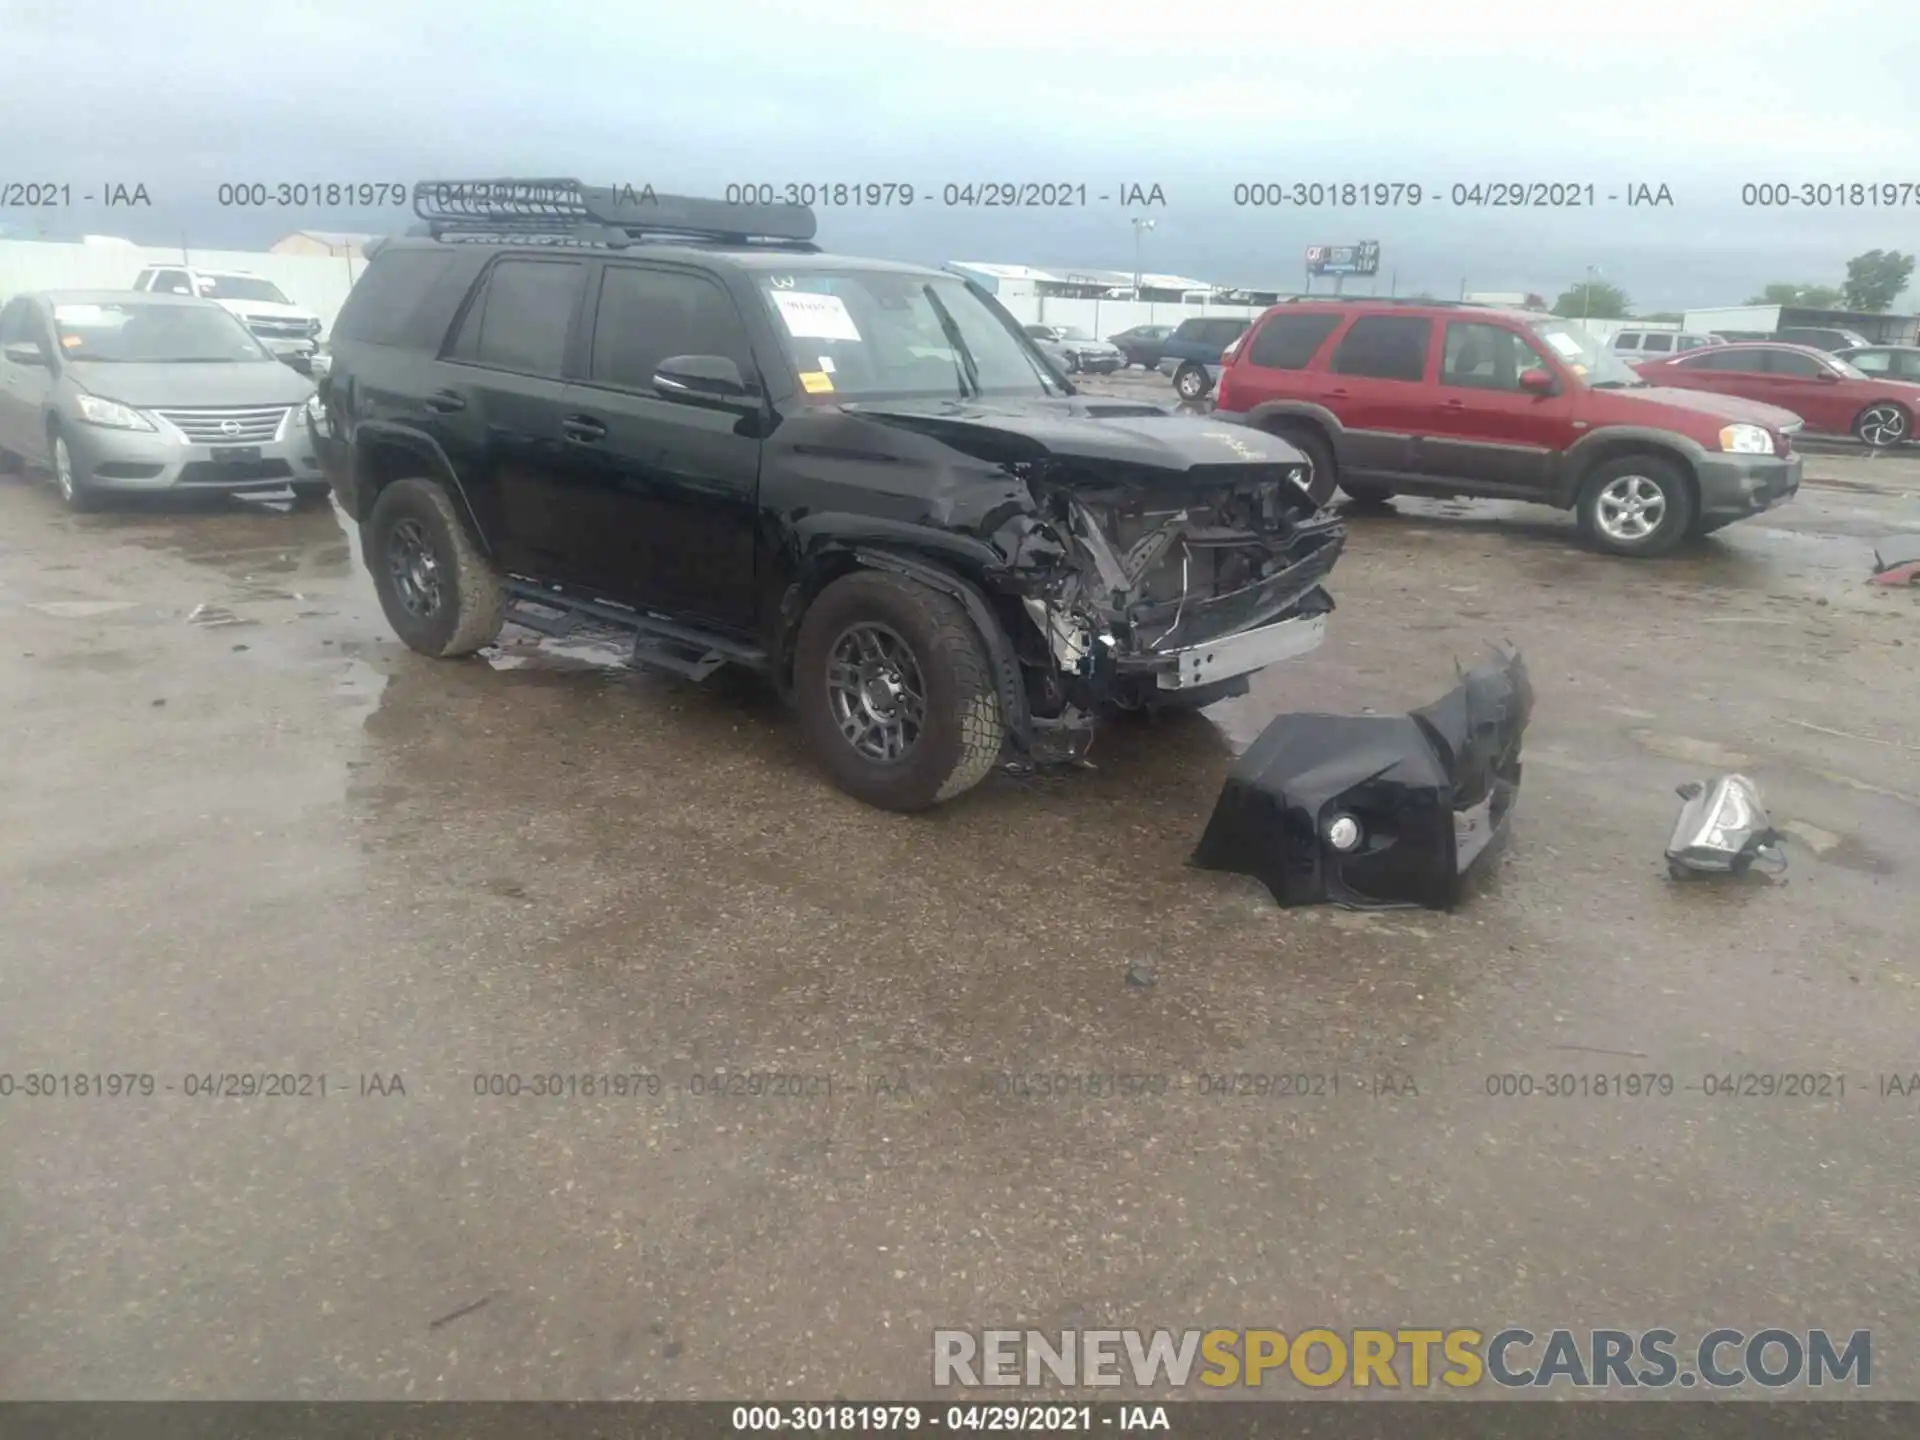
248	836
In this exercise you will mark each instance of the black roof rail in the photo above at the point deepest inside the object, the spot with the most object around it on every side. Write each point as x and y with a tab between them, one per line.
564	212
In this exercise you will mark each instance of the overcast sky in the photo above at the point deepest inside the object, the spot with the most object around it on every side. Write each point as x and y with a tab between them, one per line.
1702	96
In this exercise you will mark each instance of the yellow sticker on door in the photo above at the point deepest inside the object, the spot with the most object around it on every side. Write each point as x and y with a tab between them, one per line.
816	382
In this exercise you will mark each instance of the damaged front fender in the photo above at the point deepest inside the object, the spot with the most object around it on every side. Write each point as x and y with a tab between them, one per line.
1376	811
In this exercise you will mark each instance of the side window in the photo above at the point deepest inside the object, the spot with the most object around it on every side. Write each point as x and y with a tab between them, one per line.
1907	364
381	306
1746	362
1190	330
1225	332
1288	342
1386	347
519	321
1689	342
1709	359
1627	340
1485	357
144	280
1662	343
645	315
1873	362
167	281
1788	362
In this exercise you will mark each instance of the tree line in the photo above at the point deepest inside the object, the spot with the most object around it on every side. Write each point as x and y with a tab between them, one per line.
1874	281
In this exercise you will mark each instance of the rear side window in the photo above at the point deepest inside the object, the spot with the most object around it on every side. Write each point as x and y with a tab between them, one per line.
1627	340
520	320
384	300
1385	347
647	315
1787	362
1288	342
1191	330
1224	332
1661	343
1746	362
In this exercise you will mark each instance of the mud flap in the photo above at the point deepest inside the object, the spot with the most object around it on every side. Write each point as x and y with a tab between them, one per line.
1377	811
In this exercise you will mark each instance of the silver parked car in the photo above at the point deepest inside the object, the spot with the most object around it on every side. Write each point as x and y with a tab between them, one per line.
112	390
1076	351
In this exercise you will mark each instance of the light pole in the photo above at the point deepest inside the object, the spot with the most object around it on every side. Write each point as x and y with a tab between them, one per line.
1140	226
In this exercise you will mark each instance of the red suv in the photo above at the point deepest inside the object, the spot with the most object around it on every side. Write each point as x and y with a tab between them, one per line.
1431	398
1828	392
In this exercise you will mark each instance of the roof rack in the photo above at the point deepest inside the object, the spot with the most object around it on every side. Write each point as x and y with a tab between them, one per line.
1391	300
565	212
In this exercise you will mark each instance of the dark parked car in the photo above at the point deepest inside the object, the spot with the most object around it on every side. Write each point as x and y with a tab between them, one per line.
856	477
1437	399
1192	355
119	391
1820	337
1142	345
1827	392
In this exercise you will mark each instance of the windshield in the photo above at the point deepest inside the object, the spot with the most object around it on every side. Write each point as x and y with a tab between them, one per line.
1589	359
136	333
240	287
868	335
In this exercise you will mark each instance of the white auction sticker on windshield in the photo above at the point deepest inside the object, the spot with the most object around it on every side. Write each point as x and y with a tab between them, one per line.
815	317
1565	344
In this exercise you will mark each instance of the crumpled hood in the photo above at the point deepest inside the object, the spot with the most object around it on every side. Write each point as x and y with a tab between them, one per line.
147	387
1709	402
1084	428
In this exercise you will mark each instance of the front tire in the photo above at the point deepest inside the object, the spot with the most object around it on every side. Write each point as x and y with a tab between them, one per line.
1883	425
440	594
1324	476
1190	382
1638	505
895	690
75	492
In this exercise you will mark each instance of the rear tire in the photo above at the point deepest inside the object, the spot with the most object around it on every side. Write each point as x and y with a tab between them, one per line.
1883	425
440	594
1325	472
912	641
1190	382
1638	505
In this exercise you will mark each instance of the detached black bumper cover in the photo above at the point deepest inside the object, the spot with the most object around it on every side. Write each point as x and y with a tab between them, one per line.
1376	811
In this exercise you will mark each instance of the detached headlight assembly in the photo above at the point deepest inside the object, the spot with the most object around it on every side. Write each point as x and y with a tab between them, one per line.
1746	440
111	414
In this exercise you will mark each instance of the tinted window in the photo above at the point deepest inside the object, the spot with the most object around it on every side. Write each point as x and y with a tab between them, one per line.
387	295
1709	360
1224	332
1386	347
1786	362
1661	343
1190	330
647	315
1747	362
1485	357
1288	342
1873	362
519	322
1627	340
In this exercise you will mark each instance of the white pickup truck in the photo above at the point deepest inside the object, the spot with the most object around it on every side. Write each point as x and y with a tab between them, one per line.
283	327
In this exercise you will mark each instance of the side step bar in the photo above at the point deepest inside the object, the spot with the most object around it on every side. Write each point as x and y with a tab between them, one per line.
658	644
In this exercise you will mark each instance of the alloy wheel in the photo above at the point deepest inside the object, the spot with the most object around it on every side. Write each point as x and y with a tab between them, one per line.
63	468
1630	508
876	691
414	569
1882	426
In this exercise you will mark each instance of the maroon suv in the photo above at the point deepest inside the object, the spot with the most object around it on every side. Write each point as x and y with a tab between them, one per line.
1430	398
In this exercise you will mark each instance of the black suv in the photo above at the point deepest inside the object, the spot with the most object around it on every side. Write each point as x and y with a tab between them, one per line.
562	405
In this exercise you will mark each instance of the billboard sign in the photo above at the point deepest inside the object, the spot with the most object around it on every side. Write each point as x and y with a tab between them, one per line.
1361	259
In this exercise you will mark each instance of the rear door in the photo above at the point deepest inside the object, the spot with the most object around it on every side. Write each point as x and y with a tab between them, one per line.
1276	362
1375	383
495	410
671	481
1814	392
1485	428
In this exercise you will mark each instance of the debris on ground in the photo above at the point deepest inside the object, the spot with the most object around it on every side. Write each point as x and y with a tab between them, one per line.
1376	811
1723	829
1896	561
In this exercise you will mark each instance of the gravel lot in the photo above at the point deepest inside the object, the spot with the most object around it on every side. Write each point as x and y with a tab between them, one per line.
247	833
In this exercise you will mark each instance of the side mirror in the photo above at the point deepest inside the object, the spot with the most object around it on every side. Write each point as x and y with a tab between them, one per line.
25	352
1827	377
1537	382
713	375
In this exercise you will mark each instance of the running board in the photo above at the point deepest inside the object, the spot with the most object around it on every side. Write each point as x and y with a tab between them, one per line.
658	644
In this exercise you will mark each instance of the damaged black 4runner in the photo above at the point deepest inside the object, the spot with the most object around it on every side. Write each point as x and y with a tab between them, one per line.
679	418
